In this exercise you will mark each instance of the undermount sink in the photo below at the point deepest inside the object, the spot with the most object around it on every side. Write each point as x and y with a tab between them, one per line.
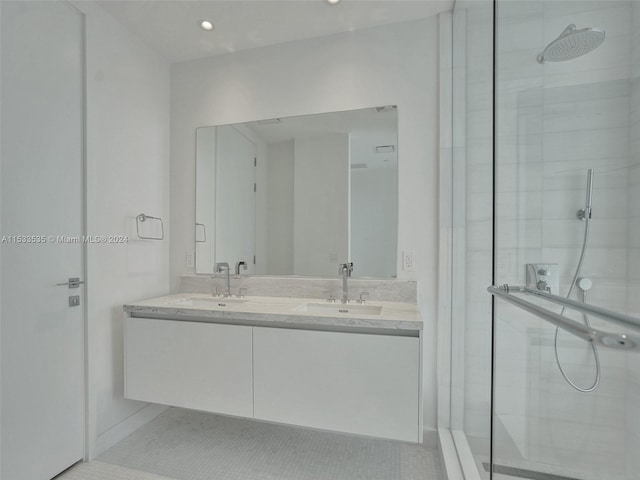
338	308
209	301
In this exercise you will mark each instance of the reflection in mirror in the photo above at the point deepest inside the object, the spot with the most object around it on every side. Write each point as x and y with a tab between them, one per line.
299	195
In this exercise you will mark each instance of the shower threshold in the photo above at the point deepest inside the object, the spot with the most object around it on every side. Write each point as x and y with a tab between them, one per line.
524	473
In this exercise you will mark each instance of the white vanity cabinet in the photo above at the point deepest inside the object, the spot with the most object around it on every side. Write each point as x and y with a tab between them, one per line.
268	359
348	382
203	366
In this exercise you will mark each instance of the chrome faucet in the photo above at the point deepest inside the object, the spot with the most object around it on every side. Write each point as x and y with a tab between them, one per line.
240	264
224	266
345	270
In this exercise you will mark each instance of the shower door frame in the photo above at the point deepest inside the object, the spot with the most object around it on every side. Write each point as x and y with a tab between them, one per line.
456	455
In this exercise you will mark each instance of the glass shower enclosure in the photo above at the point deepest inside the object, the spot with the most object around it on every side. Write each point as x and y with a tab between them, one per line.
545	369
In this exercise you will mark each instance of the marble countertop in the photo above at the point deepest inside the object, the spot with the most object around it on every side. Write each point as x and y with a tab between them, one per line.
398	316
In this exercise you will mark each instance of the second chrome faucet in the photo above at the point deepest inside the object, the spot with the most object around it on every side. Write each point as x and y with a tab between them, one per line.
224	267
345	269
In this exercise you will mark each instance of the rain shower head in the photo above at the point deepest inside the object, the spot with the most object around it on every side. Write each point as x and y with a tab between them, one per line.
572	43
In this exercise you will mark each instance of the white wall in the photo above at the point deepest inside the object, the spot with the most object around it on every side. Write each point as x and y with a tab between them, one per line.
320	193
279	184
389	65
127	174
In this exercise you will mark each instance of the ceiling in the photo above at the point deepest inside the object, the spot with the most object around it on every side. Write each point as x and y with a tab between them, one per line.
172	27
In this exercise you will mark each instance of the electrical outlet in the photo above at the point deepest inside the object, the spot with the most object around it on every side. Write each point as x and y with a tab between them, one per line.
188	257
408	261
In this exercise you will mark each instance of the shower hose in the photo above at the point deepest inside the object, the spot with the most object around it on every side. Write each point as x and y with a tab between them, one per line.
585	318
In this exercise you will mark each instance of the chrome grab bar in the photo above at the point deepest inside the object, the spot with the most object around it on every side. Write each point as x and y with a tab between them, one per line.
620	341
614	317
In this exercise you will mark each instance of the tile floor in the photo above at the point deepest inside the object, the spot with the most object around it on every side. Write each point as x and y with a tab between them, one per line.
187	445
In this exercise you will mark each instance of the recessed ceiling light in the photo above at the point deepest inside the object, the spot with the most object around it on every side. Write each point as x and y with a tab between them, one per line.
206	25
333	2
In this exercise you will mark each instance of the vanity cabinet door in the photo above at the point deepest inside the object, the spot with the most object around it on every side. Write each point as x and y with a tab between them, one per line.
348	382
202	366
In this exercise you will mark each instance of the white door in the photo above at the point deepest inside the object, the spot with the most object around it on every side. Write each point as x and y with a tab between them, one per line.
235	198
42	348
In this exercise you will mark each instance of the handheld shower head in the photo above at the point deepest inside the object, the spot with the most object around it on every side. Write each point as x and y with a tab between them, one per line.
572	43
585	213
589	189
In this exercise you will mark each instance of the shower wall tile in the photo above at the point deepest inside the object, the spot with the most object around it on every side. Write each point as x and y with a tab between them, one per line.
592	91
634	262
480	178
604	233
594	14
517	67
528	151
514	205
634	197
633	465
524	35
633	280
519	233
519	12
584	116
586	145
524	176
634	225
633	302
478	125
479	236
557	436
559	8
561	204
633	416
635	40
477	98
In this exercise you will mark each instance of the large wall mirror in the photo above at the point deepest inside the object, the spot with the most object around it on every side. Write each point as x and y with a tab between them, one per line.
299	195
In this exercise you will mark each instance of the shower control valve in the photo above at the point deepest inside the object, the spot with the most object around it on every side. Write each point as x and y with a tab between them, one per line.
542	285
544	277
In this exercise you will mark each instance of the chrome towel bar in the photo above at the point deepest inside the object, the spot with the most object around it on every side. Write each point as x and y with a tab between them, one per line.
620	341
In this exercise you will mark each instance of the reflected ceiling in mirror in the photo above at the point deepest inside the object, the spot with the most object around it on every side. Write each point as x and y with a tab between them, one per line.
299	195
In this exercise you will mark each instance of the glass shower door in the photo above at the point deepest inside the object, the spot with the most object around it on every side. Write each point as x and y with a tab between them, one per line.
563	409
